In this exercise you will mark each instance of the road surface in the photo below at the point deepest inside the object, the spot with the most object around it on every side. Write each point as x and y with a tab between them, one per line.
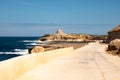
87	63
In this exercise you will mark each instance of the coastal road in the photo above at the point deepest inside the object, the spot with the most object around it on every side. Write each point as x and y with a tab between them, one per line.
87	63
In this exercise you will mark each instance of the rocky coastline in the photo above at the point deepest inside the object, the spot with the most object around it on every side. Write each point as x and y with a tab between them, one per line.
63	40
61	36
55	45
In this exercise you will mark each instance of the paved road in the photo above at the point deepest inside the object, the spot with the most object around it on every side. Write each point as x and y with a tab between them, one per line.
87	63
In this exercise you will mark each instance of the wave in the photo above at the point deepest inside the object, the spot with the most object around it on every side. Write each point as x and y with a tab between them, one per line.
17	51
29	41
35	41
38	43
20	50
42	42
33	44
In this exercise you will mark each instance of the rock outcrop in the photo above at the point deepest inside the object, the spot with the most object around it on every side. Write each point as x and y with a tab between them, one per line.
114	40
36	49
61	36
114	34
114	45
60	32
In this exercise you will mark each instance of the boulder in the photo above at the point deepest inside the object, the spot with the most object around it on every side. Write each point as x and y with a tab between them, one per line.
114	45
36	49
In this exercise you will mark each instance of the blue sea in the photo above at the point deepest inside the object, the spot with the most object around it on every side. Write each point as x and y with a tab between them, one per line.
16	46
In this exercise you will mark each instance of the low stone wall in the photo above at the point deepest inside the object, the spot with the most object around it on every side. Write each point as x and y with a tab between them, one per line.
13	68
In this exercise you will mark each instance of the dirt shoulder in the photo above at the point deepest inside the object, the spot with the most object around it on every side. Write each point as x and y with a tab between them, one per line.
59	45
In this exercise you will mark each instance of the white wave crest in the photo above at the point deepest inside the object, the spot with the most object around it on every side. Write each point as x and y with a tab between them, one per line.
32	44
42	42
29	41
17	51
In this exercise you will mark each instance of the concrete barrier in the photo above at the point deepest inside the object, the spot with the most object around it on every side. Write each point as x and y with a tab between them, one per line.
13	68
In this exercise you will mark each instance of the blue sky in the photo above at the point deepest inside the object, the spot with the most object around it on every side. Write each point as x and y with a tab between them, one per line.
38	17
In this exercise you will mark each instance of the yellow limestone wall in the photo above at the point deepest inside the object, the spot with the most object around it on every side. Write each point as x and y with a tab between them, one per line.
13	68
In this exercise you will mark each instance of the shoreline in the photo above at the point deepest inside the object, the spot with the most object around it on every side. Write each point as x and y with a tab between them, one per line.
48	47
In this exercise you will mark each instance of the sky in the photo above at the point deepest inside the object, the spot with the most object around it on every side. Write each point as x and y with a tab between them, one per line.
39	17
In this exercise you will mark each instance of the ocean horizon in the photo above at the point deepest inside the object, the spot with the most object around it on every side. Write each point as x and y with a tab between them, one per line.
37	29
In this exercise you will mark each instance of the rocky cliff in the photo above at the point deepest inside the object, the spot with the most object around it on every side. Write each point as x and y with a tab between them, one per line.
114	33
61	36
114	40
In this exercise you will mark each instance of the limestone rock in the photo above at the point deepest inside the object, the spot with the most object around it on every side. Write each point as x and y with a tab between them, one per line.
114	45
61	36
36	49
60	32
114	34
115	29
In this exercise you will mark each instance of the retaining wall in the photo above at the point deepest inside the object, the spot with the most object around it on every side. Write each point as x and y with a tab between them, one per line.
13	68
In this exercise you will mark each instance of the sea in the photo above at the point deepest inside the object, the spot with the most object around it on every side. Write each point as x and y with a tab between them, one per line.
11	47
16	46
